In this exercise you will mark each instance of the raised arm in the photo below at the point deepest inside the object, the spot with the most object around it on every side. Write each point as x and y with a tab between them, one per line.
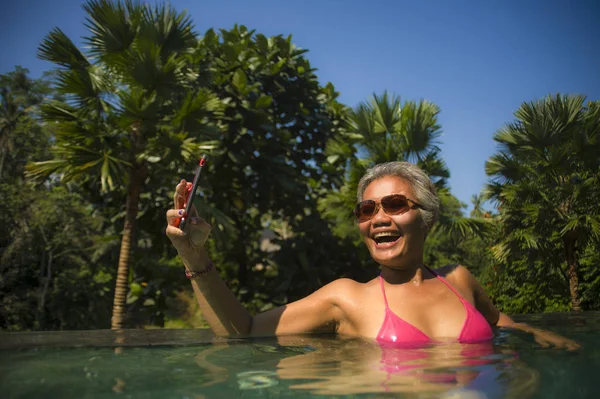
222	310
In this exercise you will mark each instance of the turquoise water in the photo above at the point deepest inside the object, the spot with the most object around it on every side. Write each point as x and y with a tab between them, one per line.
191	364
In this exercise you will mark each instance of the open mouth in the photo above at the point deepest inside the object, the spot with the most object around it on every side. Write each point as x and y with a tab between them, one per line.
386	239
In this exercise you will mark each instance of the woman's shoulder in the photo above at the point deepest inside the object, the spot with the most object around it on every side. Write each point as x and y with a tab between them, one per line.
347	284
457	275
344	289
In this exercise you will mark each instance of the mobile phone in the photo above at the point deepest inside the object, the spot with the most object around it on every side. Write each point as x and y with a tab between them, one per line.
190	195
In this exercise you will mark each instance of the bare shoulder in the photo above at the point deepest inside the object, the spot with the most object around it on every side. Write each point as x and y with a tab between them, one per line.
459	276
345	283
346	293
456	273
342	287
461	279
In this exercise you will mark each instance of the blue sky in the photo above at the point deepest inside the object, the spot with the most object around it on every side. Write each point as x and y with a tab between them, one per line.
477	60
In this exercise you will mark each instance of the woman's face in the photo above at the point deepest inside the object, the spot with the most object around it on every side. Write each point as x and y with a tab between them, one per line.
393	240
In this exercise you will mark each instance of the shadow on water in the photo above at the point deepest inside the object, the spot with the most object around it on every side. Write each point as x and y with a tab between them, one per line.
193	364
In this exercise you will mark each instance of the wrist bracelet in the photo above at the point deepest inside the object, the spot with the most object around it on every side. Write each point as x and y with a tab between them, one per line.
192	274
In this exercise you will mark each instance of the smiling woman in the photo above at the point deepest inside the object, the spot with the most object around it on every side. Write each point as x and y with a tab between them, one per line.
407	305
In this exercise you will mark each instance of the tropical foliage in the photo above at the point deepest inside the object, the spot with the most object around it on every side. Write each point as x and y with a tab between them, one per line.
546	181
126	101
92	151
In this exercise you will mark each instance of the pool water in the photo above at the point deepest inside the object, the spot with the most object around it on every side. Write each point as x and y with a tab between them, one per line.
193	364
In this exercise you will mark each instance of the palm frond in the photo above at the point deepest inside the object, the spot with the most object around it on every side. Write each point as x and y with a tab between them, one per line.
465	227
57	111
362	122
59	49
113	27
421	130
501	251
76	162
138	104
173	32
386	113
435	167
196	111
504	168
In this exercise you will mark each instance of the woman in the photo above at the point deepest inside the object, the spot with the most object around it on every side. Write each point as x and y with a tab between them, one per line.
407	304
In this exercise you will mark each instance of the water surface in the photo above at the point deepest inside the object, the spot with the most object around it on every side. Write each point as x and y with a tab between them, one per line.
192	364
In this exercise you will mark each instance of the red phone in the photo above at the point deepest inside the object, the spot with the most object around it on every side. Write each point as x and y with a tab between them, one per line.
191	191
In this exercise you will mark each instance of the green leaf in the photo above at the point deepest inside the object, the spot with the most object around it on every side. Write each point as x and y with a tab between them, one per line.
333	158
240	81
209	145
263	101
149	302
262	42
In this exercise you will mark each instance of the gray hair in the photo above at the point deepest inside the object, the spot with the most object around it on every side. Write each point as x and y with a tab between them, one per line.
421	185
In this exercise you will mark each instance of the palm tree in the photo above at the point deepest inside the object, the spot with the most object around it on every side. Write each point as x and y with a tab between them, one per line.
545	179
126	103
477	200
383	130
386	130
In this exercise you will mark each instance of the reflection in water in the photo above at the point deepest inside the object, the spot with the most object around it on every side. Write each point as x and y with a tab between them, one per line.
257	379
286	367
354	366
216	374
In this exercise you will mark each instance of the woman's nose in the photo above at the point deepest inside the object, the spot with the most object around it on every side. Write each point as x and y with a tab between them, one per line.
380	216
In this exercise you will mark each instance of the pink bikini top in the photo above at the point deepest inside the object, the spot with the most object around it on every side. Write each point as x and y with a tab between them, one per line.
395	330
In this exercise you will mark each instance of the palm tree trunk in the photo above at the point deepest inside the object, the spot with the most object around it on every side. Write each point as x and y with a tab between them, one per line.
41	310
2	162
569	241
136	182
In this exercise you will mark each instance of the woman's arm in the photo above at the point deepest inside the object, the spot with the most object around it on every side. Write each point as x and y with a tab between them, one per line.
543	337
484	305
220	307
228	317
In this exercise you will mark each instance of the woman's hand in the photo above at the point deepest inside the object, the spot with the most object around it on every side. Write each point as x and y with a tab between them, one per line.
190	242
547	338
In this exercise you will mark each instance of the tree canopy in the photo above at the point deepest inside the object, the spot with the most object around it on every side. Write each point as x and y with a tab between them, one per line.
91	153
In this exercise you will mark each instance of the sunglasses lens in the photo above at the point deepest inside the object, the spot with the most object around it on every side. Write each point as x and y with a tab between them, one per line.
395	204
392	205
365	210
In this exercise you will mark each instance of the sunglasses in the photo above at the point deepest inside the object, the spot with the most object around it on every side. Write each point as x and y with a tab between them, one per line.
395	204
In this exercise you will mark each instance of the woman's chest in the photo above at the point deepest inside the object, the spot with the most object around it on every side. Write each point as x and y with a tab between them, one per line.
434	311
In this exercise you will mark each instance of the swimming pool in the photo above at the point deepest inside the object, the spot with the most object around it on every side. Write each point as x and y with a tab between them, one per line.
192	364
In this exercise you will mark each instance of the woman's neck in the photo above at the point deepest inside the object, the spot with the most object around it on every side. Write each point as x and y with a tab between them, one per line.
393	275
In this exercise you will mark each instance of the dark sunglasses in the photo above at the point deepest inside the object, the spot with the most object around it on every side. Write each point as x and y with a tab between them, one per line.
395	204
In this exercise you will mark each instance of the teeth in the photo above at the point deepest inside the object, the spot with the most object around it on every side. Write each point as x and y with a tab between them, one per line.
386	234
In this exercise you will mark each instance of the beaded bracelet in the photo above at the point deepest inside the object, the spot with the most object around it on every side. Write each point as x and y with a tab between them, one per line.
192	274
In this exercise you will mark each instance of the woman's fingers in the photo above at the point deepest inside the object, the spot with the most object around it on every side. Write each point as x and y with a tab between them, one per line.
173	216
197	228
572	345
174	233
180	195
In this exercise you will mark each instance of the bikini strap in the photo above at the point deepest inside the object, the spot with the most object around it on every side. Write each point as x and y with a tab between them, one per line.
443	280
383	290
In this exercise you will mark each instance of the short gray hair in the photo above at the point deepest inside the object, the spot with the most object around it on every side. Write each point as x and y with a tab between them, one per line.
421	185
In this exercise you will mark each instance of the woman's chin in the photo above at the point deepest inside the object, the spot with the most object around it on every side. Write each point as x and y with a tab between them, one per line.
387	255
395	258
387	258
